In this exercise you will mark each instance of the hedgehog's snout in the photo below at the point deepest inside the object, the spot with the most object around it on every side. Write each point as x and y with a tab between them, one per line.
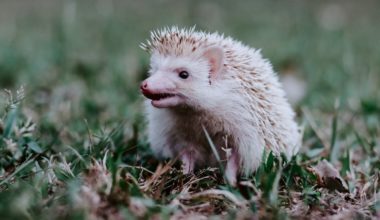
145	90
152	94
143	86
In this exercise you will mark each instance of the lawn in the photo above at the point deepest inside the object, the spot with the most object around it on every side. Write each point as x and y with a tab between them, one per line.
73	142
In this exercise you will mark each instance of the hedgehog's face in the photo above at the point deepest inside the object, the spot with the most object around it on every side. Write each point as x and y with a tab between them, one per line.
181	80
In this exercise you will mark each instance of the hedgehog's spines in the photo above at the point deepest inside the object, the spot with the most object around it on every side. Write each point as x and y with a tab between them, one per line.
168	36
186	41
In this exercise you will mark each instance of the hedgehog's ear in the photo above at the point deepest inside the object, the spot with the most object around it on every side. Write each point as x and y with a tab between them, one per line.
215	57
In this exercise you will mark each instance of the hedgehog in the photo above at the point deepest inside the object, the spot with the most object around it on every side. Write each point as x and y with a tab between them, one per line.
212	100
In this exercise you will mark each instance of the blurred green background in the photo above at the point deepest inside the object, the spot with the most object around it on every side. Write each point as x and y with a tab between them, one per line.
81	65
87	52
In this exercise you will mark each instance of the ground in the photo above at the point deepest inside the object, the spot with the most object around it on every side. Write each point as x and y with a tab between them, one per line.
72	131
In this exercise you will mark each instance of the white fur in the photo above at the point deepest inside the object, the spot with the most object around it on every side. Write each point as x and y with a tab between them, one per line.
243	106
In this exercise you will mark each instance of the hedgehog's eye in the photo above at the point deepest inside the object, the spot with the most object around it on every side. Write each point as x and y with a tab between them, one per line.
183	74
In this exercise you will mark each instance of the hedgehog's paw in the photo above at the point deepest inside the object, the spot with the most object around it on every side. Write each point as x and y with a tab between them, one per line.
188	162
232	168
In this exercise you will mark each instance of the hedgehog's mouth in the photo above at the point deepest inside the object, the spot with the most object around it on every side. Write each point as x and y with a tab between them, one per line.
163	99
158	96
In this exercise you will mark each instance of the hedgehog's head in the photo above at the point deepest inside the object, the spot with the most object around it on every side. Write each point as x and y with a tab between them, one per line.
181	75
182	80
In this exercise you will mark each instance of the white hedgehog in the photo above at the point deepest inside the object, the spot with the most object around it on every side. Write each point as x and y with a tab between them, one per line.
201	81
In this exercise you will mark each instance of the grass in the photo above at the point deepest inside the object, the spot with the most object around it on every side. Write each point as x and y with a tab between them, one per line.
72	130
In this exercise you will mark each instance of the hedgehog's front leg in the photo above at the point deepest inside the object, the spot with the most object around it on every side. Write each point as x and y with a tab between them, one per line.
188	161
232	168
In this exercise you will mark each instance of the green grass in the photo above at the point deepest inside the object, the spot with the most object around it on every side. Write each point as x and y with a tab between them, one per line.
72	129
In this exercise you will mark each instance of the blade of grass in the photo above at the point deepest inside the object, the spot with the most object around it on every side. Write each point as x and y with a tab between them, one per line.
9	122
76	153
215	152
89	136
273	196
22	166
333	149
320	134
